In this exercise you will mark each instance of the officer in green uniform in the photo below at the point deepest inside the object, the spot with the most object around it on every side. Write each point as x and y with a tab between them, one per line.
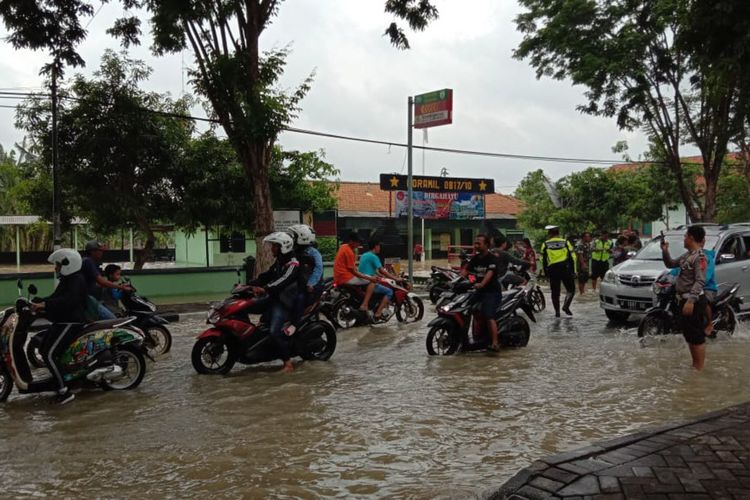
559	266
600	258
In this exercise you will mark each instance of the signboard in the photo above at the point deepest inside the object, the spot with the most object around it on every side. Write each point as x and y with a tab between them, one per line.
282	219
455	206
393	182
433	109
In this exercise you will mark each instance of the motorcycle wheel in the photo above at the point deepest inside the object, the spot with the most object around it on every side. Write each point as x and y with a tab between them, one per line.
515	332
213	356
320	348
727	321
133	365
33	353
441	341
435	293
344	315
537	301
6	382
158	340
653	324
411	311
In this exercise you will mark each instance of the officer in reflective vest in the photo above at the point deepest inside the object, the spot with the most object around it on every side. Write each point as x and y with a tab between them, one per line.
559	266
600	258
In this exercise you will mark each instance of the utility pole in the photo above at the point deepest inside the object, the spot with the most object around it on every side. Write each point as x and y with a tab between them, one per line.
56	191
410	194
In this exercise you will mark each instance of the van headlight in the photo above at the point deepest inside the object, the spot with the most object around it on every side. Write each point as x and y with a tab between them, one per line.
609	276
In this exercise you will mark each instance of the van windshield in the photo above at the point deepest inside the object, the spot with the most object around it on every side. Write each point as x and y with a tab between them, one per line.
652	249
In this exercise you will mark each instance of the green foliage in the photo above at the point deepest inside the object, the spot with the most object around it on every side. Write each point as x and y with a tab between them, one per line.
417	13
328	246
667	66
117	158
51	25
215	191
595	199
733	204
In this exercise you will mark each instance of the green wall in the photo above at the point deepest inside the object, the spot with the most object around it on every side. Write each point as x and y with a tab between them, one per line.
162	285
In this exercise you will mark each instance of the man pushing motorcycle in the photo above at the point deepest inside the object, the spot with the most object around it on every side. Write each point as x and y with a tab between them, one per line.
280	283
484	266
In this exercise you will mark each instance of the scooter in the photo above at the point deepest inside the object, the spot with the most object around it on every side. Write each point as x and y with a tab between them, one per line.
108	354
158	338
460	326
233	337
439	281
405	305
662	318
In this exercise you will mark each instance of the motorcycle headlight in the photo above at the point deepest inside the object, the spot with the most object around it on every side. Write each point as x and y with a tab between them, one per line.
609	276
213	316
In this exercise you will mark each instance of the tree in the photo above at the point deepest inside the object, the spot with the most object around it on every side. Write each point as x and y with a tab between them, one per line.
654	64
122	148
214	190
239	81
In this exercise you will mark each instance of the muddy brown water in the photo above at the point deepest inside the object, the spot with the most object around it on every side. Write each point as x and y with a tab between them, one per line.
382	418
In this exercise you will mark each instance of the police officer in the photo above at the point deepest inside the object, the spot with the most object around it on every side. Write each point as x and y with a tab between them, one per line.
559	266
689	287
600	258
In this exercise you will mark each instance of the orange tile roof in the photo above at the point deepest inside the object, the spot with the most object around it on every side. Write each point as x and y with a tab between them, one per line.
367	197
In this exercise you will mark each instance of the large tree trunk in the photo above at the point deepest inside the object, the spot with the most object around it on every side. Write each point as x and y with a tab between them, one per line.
147	252
709	204
257	164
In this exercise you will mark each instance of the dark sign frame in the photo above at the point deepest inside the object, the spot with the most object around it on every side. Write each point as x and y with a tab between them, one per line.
395	182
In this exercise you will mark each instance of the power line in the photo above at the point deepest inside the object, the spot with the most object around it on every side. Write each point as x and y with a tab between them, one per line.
514	156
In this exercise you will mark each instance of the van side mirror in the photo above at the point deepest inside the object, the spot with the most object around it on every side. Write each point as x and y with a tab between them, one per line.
727	257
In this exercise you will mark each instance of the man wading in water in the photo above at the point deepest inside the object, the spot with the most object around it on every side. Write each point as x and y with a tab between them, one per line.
689	287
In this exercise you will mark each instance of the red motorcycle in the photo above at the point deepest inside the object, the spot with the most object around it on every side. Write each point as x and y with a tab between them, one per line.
233	337
407	306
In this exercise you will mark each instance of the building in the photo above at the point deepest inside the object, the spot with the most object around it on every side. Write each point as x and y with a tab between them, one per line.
365	208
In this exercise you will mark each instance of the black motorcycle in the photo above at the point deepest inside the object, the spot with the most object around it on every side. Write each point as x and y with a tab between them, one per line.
460	327
439	281
662	318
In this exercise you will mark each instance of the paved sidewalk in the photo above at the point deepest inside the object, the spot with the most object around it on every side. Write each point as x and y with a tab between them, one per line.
706	458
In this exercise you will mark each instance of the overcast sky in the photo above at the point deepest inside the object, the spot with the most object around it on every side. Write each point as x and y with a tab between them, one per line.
362	83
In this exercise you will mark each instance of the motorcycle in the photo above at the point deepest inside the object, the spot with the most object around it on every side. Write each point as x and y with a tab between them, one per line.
439	281
460	326
158	338
405	305
233	337
108	354
662	318
517	277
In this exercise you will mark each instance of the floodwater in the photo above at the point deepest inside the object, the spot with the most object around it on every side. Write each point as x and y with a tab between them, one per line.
382	418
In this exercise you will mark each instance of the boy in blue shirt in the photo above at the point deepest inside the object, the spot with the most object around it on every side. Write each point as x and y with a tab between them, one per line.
370	265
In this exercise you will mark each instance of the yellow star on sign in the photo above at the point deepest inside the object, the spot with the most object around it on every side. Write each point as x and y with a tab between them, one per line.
482	186
394	181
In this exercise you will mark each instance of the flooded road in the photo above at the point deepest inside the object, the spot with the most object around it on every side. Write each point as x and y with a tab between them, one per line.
382	418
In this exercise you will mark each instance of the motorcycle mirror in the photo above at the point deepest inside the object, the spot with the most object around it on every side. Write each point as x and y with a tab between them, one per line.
19	284
32	289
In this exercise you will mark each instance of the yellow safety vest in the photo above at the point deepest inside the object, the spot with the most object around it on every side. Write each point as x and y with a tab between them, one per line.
557	250
601	250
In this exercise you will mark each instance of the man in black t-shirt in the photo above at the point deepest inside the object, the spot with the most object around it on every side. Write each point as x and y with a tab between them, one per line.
94	279
484	266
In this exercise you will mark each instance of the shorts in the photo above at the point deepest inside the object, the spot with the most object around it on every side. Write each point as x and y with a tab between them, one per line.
490	302
583	276
383	290
693	326
599	268
357	282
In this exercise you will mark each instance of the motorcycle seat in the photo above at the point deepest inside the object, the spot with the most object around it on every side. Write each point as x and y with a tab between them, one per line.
106	323
723	295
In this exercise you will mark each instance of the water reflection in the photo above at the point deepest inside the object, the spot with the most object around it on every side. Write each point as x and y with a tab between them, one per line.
381	418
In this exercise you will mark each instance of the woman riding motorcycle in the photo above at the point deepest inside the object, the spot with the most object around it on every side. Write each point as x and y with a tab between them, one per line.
280	283
65	309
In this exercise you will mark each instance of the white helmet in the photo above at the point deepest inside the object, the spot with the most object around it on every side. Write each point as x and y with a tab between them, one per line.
69	260
302	234
283	239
